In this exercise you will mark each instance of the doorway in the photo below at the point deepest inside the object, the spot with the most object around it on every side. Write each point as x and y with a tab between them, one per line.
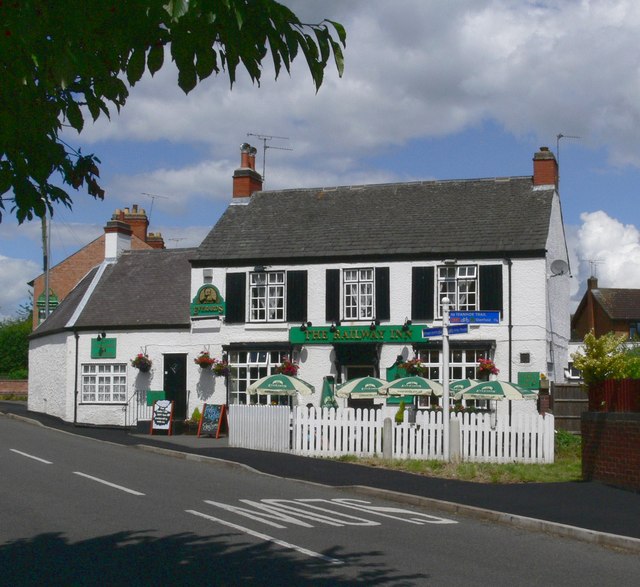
175	383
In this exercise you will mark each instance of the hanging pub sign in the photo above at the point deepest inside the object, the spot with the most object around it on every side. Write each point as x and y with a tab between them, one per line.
162	417
208	302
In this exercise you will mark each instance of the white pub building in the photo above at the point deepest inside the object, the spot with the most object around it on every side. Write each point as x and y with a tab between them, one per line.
343	280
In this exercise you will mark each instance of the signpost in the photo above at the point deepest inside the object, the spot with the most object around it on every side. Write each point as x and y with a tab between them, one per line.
487	317
437	331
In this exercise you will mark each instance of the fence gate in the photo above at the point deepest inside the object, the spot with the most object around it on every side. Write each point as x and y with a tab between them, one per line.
568	401
260	427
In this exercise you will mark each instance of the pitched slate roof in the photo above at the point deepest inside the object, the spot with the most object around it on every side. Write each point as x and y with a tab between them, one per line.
619	304
62	314
419	219
144	289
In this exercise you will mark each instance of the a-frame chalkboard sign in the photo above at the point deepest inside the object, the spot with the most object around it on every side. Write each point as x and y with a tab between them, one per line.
213	421
162	416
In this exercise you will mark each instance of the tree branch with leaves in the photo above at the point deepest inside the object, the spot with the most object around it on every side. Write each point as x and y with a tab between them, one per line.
64	61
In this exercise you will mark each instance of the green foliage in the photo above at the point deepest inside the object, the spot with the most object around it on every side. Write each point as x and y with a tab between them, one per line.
400	413
79	59
603	358
195	417
14	346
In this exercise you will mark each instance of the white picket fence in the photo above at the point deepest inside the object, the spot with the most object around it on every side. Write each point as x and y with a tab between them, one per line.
260	427
347	431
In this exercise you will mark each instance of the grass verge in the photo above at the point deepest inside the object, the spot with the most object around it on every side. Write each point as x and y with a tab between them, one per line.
567	466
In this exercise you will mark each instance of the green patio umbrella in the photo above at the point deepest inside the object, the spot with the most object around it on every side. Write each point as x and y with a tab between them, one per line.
327	399
462	384
280	384
496	390
362	387
413	385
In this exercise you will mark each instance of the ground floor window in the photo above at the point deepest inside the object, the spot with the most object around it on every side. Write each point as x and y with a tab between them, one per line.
245	368
463	364
104	383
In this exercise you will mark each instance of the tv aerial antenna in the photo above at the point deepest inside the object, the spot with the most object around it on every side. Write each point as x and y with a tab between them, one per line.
558	137
593	265
264	139
153	199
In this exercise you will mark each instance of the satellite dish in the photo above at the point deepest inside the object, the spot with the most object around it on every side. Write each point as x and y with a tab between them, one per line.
559	267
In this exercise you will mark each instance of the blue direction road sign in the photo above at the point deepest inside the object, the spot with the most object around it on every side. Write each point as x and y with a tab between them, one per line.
488	317
456	329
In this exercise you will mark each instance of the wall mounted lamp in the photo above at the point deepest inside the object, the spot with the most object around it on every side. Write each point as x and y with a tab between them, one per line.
305	325
334	325
373	325
102	336
406	325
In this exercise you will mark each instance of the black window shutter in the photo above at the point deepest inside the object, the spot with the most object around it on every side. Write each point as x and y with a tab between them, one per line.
332	299
422	298
383	310
491	287
236	297
296	296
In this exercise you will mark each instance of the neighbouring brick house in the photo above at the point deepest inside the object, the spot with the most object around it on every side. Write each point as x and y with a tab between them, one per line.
606	309
64	276
603	310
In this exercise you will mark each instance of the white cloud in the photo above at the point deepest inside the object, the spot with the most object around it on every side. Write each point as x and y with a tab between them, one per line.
14	275
608	249
414	69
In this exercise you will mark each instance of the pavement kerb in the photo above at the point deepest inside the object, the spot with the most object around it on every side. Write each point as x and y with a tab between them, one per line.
604	539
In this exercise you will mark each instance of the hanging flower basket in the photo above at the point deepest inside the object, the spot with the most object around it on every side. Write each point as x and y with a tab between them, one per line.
413	367
288	367
220	368
141	362
204	360
486	367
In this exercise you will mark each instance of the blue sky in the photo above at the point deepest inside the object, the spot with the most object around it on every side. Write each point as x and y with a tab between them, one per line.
431	90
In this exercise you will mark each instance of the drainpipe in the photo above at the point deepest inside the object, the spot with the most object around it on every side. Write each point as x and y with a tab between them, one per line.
75	381
509	266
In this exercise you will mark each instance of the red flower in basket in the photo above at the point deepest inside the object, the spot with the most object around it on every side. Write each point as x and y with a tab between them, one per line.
413	367
142	362
288	368
487	367
220	368
205	360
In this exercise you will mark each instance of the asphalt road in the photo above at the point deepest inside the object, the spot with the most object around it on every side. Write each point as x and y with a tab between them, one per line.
78	511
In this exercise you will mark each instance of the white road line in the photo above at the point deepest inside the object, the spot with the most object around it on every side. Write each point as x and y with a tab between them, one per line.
268	538
24	454
120	487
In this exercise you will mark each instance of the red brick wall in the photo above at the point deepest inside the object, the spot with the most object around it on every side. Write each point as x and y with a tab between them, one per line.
611	448
64	276
16	386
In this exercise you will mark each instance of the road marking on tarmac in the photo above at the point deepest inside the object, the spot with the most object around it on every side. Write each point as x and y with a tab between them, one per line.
268	538
120	487
24	454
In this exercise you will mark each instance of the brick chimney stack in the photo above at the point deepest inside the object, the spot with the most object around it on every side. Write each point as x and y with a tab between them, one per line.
155	240
137	219
246	179
545	168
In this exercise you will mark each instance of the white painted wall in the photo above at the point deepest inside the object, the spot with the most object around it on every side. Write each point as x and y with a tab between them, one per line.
49	375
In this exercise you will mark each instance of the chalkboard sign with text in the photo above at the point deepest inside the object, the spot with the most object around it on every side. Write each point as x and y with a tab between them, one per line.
213	421
162	417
